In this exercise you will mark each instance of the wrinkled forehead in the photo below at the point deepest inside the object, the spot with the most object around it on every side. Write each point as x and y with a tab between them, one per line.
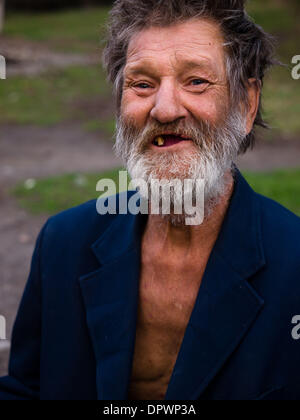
186	41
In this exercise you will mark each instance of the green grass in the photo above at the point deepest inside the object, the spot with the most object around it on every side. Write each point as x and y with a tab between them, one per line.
76	30
276	16
58	96
56	194
281	93
106	125
53	97
53	195
281	103
282	186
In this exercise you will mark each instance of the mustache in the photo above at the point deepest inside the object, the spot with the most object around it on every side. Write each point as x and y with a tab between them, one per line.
199	131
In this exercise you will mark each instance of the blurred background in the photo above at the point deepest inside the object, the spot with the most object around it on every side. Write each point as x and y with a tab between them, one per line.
57	123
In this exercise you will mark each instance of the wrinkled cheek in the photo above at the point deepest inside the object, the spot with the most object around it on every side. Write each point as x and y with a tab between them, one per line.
212	107
221	108
135	110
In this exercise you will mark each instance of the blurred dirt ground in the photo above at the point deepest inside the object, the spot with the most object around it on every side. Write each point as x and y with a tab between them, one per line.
41	153
29	58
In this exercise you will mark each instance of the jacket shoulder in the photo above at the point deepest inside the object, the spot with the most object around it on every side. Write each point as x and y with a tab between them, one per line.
281	232
279	217
82	223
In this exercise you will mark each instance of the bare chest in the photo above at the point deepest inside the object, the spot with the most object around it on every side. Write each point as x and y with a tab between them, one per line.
166	300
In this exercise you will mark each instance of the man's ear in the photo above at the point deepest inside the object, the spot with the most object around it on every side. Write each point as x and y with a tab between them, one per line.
254	89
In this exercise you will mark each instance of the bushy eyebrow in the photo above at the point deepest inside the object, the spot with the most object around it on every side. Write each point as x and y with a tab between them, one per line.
197	65
147	67
143	67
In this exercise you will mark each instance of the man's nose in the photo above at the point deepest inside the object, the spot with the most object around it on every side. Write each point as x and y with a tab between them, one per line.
168	107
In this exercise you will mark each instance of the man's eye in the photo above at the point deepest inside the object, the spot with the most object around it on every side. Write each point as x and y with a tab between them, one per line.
142	86
198	82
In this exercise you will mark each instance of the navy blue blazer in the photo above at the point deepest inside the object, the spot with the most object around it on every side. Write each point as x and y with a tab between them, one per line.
75	330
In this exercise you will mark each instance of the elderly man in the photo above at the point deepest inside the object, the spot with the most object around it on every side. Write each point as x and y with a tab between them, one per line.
146	307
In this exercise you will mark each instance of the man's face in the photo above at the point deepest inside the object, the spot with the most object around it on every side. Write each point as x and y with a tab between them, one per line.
175	119
176	74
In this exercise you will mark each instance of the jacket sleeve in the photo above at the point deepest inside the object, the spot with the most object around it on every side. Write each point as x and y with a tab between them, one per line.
23	382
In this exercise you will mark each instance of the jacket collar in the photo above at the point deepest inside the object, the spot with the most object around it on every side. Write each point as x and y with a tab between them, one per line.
240	240
240	236
111	300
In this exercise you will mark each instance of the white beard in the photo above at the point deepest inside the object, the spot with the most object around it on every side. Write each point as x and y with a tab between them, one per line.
214	155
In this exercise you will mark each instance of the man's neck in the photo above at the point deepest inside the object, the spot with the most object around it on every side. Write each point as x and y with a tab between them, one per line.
188	241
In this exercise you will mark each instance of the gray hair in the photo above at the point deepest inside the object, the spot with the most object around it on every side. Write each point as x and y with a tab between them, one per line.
250	50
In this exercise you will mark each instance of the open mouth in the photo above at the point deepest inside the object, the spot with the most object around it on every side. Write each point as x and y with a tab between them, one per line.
167	140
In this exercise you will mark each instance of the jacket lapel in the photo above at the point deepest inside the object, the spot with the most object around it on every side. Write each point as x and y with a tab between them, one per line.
111	297
226	305
225	308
